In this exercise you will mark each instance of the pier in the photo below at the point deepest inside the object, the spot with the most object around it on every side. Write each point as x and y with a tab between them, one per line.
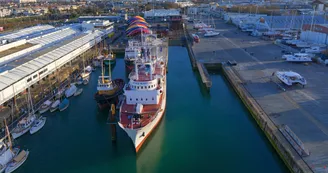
204	75
248	64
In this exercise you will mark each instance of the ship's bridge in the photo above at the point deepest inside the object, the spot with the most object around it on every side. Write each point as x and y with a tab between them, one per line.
143	85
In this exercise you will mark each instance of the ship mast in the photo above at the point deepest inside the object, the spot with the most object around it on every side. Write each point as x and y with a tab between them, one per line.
109	71
102	71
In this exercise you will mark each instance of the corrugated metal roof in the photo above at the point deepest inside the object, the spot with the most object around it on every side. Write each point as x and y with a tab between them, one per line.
26	32
294	22
7	78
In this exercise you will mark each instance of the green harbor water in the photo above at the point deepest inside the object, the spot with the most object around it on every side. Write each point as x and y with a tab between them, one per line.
200	132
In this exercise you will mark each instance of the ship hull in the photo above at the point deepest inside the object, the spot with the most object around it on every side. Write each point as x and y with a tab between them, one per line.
105	100
139	136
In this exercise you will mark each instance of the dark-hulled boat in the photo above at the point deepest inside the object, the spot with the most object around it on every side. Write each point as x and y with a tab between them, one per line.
108	91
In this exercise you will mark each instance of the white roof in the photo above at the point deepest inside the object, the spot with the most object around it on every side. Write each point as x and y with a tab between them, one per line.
9	77
26	32
162	12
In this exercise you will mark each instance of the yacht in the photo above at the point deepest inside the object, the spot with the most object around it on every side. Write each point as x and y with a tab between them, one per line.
298	57
211	33
45	106
289	78
23	126
26	123
314	49
17	161
70	91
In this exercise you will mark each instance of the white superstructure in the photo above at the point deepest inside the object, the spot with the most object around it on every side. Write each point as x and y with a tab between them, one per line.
289	78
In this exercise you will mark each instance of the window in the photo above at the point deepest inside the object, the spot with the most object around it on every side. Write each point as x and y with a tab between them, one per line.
136	99
137	87
153	98
29	79
141	99
146	99
141	87
35	76
130	99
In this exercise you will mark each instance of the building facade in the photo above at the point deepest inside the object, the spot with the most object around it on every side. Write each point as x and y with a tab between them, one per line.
315	33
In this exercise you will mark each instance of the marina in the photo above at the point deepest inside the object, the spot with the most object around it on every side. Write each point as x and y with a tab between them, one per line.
82	127
244	101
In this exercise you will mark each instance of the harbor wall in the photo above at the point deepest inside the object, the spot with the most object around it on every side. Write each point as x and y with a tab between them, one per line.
293	161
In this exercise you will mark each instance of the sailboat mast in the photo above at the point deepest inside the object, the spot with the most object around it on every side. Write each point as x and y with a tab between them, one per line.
8	134
102	71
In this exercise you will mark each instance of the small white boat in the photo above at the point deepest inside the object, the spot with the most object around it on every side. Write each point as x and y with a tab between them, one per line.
78	92
211	33
79	82
17	161
85	75
298	57
85	82
289	78
60	93
23	126
38	124
45	106
88	68
314	49
54	106
63	105
70	91
303	45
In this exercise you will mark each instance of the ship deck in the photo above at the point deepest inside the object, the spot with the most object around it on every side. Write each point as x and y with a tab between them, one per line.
148	112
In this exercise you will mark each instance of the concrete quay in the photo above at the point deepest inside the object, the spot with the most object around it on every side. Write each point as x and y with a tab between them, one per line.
304	110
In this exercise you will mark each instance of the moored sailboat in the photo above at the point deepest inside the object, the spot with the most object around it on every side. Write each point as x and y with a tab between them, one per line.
17	161
45	106
25	124
38	124
7	153
54	105
63	105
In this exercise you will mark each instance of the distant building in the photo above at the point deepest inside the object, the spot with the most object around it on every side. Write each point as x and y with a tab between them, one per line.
109	18
163	15
290	22
26	1
317	33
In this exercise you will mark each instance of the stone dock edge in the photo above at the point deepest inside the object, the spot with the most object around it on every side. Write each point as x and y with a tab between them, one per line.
293	161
